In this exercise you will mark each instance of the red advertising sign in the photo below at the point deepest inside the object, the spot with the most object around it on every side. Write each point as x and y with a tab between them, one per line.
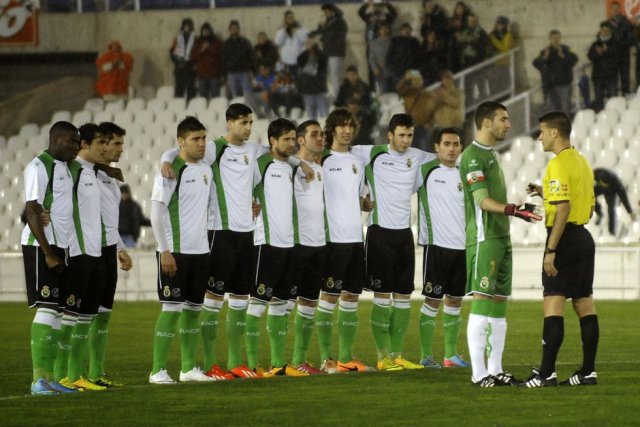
18	23
628	8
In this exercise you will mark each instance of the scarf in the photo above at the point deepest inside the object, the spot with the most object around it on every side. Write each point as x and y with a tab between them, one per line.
183	47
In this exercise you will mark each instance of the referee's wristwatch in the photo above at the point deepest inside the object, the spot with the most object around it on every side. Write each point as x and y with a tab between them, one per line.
549	251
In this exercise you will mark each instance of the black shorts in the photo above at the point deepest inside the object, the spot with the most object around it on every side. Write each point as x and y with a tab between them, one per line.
444	272
230	262
575	258
109	278
84	280
391	260
43	285
190	281
345	269
273	272
309	266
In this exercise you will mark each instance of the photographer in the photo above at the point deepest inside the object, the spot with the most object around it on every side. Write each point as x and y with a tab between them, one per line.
555	63
604	56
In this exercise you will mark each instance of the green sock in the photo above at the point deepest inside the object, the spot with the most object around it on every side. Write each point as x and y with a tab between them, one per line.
209	328
347	328
399	324
235	329
53	348
427	328
41	337
164	334
451	326
380	317
324	328
303	324
277	330
189	329
79	348
61	364
98	335
252	339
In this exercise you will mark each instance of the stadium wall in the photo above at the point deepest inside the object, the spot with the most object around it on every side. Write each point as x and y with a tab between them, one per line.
148	35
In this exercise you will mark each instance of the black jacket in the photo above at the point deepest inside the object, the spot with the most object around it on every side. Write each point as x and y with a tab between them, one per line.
333	35
556	71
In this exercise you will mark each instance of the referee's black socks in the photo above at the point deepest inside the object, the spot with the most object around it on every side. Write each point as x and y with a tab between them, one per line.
552	336
590	332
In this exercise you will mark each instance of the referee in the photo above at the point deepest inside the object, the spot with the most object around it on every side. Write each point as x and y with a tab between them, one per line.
569	254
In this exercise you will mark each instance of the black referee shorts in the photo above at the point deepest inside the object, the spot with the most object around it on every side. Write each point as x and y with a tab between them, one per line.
575	259
391	260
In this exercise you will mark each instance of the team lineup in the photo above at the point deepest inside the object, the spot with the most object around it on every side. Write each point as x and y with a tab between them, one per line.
278	229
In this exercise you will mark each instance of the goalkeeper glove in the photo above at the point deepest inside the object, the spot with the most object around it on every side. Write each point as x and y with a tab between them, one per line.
521	212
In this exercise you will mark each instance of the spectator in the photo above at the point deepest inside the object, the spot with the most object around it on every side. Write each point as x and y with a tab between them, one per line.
365	120
402	53
333	33
291	39
472	43
131	218
183	67
206	55
353	87
432	58
419	103
607	183
434	18
239	61
555	63
501	37
622	34
266	51
449	104
376	13
263	86
284	94
604	56
378	51
312	80
114	68
457	24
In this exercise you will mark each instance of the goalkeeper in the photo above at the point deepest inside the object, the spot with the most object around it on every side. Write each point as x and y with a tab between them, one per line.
488	246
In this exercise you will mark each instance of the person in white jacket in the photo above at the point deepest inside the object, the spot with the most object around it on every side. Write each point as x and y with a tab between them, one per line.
291	38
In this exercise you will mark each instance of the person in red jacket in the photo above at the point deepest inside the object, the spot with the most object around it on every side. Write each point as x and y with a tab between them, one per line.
206	55
114	68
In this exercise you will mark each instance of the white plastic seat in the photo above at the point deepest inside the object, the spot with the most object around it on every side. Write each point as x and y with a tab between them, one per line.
123	118
177	105
618	103
81	117
114	106
614	142
624	130
610	117
94	105
197	105
165	117
585	117
579	131
102	116
61	116
600	130
631	116
156	105
144	117
165	92
28	130
518	231
606	158
634	103
219	105
626	170
135	104
237	100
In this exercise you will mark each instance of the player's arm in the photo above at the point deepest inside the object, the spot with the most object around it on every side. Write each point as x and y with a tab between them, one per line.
563	208
34	212
167	261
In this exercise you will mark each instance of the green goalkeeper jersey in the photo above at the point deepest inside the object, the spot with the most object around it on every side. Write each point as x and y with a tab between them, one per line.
479	169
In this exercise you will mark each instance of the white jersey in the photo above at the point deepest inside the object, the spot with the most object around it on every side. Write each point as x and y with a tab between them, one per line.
440	206
87	221
274	190
186	198
308	212
232	167
391	176
48	181
109	207
343	187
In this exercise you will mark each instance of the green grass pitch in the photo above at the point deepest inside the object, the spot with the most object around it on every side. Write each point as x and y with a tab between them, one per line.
426	397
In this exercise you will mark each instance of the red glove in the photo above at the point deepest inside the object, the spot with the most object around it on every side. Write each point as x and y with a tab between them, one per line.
522	213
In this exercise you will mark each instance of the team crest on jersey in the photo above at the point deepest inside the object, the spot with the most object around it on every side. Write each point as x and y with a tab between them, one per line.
319	176
330	283
166	292
354	168
45	292
460	186
246	159
484	282
206	179
409	163
71	301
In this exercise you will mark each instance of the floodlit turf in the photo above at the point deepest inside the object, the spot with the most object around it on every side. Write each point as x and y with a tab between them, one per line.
427	397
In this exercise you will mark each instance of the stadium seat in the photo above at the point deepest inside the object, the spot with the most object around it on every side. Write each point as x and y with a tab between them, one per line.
156	105
614	143
61	115
626	169
634	103
585	117
102	116
123	118
219	105
81	117
165	117
610	117
514	157
144	117
631	116
518	232
135	104
28	130
536	234
197	106
114	106
237	100
600	130
606	158
165	92
94	105
618	103
625	130
296	113
177	105
579	131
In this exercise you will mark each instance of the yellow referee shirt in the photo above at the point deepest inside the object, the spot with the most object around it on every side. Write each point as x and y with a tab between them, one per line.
569	177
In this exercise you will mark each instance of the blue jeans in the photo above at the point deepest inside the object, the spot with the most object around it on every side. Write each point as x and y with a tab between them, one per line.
316	105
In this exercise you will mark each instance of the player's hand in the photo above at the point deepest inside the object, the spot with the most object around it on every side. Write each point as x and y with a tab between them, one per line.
309	173
168	264
167	171
54	263
256	208
522	213
534	189
125	261
548	265
366	204
45	218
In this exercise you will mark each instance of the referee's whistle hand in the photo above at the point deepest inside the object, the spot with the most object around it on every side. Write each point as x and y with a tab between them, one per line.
548	265
168	264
